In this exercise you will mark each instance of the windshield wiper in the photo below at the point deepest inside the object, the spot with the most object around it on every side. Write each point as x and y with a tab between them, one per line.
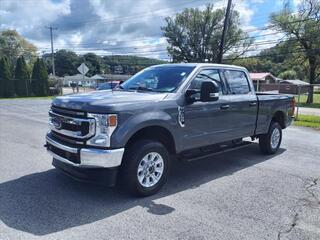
140	88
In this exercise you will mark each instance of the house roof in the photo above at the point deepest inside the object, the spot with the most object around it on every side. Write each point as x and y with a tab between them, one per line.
261	76
295	82
97	77
116	76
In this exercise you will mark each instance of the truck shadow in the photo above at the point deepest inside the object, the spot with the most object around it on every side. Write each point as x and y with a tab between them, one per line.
48	202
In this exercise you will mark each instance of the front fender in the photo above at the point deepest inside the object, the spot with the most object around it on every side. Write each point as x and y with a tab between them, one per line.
139	121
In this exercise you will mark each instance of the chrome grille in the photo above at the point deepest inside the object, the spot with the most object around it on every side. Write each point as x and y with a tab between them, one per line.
66	124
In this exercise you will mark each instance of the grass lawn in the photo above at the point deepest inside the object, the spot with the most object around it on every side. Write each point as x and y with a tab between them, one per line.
303	100
15	98
308	121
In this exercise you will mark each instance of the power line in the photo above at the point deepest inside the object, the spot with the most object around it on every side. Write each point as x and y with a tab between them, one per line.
137	15
275	54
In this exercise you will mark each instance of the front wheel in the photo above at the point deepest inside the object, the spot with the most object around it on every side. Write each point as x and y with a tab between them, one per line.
145	167
269	143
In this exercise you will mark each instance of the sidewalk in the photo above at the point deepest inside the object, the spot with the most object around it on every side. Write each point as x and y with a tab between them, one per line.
309	111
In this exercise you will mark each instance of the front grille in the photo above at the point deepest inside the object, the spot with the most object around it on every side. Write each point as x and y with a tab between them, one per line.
68	112
67	139
70	125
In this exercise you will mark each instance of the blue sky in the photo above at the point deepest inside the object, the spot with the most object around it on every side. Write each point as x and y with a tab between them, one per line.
119	27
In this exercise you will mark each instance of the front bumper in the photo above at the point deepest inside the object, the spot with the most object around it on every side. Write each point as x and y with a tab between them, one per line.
86	164
84	157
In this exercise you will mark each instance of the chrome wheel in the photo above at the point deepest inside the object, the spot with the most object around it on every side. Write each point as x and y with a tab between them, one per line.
275	138
150	169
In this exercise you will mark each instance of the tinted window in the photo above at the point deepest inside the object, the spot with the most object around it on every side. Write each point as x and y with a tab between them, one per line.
158	79
238	82
207	75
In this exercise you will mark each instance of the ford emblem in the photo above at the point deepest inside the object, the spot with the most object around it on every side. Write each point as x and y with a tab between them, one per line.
57	123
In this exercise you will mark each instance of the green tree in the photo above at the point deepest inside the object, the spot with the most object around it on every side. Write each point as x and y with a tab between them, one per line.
303	30
93	62
194	35
288	74
13	45
6	82
66	63
39	84
22	77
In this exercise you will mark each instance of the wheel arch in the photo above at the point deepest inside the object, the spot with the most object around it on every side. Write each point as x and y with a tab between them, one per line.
280	118
157	133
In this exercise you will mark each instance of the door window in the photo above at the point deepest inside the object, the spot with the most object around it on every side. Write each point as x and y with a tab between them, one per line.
237	81
207	75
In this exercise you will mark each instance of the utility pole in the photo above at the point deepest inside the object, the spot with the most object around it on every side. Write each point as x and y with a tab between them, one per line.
52	53
224	31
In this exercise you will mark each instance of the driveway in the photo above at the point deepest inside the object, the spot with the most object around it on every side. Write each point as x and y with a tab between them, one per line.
237	195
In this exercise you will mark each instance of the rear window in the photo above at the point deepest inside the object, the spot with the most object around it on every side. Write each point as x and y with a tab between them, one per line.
237	81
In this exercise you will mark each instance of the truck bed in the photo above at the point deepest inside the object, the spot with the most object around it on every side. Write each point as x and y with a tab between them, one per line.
268	105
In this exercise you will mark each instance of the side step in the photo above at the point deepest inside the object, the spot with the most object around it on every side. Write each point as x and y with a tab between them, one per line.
213	150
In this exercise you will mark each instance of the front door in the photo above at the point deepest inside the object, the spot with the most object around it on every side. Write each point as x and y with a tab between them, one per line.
206	123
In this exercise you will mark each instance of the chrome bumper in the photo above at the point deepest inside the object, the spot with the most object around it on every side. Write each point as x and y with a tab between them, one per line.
89	157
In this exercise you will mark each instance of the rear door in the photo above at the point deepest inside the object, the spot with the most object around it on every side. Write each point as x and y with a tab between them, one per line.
242	102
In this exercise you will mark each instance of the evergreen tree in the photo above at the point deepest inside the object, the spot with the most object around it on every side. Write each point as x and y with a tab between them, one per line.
39	85
22	77
6	83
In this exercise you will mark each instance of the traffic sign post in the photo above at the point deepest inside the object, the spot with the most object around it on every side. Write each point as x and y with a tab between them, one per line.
83	69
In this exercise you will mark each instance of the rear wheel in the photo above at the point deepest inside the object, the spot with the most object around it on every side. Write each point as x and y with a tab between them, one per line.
269	143
145	167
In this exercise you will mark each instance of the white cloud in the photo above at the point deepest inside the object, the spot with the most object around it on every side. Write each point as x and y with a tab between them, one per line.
76	38
29	15
297	2
257	1
105	26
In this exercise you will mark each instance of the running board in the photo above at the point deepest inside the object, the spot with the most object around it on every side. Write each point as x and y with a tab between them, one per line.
217	150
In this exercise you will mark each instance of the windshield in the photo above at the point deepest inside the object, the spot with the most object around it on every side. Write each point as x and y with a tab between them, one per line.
158	79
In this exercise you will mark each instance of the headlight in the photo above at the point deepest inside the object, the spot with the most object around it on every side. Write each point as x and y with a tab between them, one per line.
105	125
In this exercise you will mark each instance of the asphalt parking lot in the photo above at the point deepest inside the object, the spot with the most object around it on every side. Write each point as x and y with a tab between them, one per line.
238	195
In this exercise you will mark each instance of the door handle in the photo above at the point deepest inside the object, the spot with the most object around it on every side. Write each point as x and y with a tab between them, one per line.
252	104
225	107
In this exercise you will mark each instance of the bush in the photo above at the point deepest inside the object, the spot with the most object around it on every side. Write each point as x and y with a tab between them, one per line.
39	83
22	78
6	82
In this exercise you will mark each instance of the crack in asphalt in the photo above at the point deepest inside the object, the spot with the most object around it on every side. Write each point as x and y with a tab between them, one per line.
313	182
292	225
314	202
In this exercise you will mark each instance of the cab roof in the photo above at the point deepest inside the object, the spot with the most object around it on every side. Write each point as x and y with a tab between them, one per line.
204	65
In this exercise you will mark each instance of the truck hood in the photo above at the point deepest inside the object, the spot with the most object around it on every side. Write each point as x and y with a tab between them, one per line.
108	101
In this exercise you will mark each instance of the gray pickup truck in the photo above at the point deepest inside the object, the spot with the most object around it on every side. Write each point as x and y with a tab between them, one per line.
129	135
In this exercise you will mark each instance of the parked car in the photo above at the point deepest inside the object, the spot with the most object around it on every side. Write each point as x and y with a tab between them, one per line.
190	111
107	85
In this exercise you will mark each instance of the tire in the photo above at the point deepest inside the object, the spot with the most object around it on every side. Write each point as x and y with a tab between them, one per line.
269	143
144	158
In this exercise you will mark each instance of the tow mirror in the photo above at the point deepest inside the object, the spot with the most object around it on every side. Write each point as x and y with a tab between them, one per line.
209	91
191	95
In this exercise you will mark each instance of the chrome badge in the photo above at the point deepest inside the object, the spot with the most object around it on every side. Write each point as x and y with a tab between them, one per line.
181	116
57	123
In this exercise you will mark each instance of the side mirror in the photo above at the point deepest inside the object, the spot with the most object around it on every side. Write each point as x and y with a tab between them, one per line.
209	91
191	95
